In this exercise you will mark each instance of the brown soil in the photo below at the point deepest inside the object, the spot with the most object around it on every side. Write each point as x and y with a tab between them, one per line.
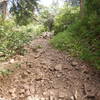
44	73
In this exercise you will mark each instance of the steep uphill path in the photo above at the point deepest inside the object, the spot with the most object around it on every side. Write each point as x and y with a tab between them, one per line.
48	74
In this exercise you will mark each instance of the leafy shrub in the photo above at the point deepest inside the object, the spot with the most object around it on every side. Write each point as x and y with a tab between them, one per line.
82	37
66	17
13	38
78	47
38	29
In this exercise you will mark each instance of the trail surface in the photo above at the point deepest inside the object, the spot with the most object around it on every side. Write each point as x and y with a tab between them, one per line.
45	73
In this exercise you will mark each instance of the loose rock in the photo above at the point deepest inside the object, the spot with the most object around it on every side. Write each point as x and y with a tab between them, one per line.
58	67
1	54
74	63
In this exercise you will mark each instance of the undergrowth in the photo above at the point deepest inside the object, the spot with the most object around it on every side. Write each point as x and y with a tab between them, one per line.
13	37
81	37
77	47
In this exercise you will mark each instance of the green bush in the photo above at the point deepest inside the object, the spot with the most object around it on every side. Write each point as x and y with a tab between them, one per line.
67	16
13	38
38	29
77	47
81	37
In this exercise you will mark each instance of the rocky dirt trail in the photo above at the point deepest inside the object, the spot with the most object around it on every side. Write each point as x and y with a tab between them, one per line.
44	73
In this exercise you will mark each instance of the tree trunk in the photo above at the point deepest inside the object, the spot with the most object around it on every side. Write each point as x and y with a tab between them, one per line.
4	9
82	8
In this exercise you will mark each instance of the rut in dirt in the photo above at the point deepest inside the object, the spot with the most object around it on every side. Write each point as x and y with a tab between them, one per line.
45	73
